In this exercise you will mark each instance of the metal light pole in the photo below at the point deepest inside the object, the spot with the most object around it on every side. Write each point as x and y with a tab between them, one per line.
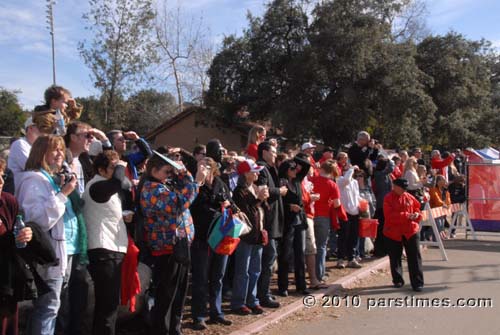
50	22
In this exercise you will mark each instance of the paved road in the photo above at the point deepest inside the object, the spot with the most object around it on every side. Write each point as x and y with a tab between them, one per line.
473	271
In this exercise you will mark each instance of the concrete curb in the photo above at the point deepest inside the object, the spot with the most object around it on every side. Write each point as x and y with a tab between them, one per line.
341	283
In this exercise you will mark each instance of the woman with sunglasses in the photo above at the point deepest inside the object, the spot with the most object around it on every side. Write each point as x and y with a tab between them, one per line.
45	201
292	173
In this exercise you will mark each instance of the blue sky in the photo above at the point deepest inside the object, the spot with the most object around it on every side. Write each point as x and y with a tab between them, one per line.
25	61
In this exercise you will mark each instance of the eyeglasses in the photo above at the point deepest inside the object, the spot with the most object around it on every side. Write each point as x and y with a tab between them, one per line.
175	156
202	153
87	135
293	167
121	139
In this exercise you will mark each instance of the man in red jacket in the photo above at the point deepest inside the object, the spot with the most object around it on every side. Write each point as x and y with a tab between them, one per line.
402	214
441	163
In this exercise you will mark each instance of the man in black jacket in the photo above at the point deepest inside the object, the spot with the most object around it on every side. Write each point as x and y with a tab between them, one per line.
274	221
364	148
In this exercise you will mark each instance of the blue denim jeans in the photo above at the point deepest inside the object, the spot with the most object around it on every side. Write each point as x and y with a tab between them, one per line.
247	266
74	299
321	232
269	255
361	247
208	270
332	242
45	308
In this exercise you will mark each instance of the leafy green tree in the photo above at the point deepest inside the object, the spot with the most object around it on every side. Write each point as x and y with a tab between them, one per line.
11	114
93	111
461	88
355	66
120	51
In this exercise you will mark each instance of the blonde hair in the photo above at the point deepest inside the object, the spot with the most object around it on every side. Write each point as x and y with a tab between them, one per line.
342	154
40	148
409	164
253	134
214	167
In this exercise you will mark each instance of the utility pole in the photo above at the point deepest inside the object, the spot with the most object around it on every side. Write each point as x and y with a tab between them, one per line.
50	22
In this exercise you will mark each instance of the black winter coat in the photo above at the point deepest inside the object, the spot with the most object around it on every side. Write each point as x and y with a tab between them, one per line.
274	221
207	205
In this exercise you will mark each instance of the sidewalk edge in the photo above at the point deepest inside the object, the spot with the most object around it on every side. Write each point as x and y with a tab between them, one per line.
344	282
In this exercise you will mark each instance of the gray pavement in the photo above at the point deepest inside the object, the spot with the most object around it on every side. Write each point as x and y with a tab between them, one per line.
472	271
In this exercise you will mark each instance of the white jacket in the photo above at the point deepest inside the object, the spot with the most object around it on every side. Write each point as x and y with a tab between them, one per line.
349	192
44	207
105	226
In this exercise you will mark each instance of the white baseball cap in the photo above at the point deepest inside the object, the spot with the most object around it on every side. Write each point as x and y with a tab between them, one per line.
28	123
307	145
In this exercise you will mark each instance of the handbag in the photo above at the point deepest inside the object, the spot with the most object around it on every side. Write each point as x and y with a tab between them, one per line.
245	221
264	237
224	232
182	251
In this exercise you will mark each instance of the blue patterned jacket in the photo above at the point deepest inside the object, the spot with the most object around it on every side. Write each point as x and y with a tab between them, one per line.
166	212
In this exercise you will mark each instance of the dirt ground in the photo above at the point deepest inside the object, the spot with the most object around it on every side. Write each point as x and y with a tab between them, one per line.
137	326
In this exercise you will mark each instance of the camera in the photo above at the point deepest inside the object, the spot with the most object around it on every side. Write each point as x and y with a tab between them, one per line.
65	174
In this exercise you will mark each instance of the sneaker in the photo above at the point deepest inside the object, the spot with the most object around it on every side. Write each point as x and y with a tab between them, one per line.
268	303
398	285
340	264
199	325
220	320
243	310
418	288
257	309
354	265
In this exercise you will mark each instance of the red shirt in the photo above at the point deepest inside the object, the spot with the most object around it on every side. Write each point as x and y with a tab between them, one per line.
328	191
397	209
252	151
397	173
306	200
441	164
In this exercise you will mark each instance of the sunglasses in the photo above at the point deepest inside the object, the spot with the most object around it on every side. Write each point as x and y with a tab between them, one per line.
88	136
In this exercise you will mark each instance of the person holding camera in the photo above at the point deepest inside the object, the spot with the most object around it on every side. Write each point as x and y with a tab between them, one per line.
166	191
107	237
44	199
208	267
78	138
364	148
